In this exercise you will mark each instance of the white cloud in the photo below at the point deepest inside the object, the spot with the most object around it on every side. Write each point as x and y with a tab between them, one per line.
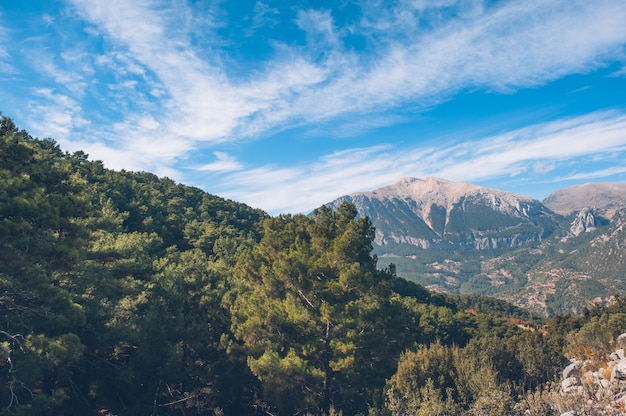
54	114
595	174
264	16
72	80
5	58
539	148
515	45
555	141
543	167
202	104
319	27
510	45
224	163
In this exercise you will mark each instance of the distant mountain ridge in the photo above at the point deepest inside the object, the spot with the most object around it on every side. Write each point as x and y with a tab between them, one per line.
552	256
604	195
436	213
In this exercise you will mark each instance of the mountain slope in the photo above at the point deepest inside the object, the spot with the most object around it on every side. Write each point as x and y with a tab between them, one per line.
604	195
462	238
435	213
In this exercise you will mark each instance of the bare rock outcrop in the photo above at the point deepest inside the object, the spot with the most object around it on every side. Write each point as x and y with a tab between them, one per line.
585	221
598	384
436	213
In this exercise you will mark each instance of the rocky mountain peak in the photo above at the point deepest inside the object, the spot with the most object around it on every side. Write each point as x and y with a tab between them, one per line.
412	187
585	221
433	191
436	212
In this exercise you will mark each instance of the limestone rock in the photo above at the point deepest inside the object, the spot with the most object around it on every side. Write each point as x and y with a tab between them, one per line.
572	369
571	385
585	221
617	355
587	382
619	371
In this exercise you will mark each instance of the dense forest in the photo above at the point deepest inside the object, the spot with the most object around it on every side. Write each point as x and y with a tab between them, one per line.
122	293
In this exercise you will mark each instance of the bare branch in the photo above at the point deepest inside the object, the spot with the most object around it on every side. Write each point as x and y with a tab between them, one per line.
305	298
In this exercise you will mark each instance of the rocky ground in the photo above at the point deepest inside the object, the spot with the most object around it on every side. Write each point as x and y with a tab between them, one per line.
595	386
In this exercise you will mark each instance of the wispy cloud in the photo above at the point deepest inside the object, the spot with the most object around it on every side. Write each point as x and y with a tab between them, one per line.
559	140
72	80
502	47
224	163
538	149
6	66
596	174
620	73
57	113
264	16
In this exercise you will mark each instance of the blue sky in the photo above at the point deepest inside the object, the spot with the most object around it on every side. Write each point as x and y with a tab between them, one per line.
289	105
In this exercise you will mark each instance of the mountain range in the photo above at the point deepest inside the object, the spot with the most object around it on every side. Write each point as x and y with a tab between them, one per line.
557	255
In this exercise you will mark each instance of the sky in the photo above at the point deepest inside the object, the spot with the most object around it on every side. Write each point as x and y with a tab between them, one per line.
287	105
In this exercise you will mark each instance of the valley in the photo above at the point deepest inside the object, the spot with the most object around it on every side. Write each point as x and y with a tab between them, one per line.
555	256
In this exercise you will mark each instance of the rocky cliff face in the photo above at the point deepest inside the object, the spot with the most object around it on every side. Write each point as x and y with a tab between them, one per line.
439	214
585	221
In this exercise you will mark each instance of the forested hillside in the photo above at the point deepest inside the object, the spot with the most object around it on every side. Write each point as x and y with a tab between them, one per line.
126	294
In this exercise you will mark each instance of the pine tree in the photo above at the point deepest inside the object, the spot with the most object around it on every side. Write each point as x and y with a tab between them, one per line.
312	309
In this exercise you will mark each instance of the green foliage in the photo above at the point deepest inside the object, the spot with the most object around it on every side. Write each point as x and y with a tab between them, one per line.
123	293
479	379
440	380
106	303
310	307
596	338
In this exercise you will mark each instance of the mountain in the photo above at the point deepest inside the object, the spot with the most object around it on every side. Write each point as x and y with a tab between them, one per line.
436	213
455	237
603	195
